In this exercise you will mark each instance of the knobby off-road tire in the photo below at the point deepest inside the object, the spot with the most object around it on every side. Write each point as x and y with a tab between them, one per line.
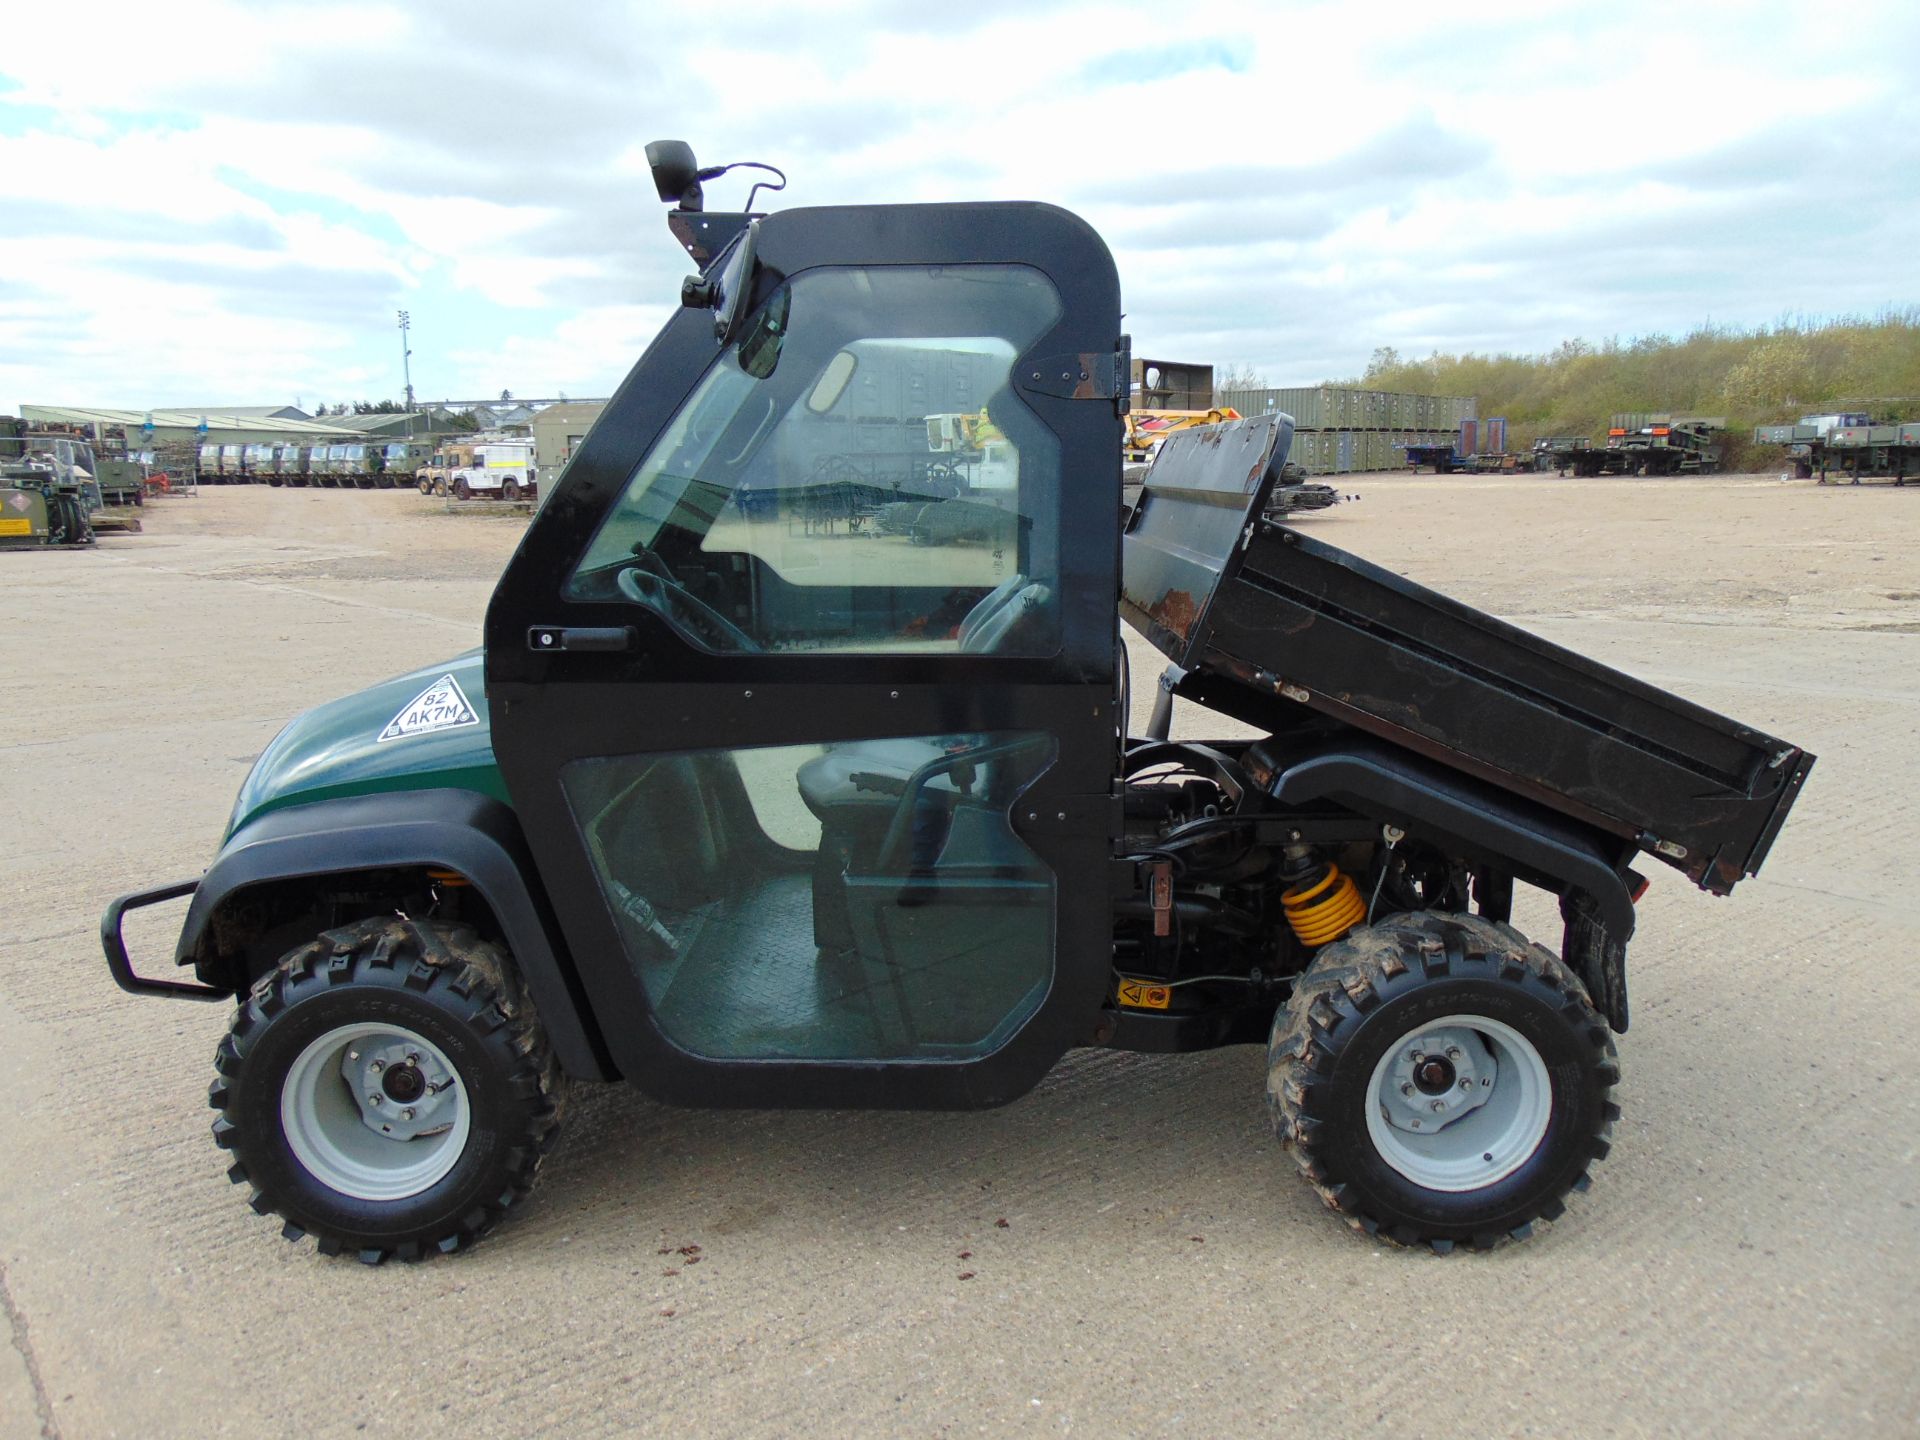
297	1076
1501	1014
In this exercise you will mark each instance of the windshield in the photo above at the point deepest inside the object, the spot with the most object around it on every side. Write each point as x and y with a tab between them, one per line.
855	472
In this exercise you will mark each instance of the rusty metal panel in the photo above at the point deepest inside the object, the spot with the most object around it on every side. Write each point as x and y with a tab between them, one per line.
1196	510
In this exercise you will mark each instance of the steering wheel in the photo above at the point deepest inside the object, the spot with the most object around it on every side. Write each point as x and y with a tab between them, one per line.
648	582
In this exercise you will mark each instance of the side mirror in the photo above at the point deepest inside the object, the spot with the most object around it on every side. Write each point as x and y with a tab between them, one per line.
676	174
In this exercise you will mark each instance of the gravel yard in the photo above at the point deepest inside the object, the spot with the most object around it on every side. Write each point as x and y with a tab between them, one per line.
1124	1251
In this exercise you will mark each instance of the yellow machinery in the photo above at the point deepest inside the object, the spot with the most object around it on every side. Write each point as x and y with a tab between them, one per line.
1147	428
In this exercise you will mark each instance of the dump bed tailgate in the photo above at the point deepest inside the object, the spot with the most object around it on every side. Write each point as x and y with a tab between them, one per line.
1289	620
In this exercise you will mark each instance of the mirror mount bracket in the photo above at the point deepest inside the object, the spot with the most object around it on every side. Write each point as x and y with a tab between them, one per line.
704	235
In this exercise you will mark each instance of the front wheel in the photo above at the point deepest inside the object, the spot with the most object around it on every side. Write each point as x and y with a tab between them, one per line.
1440	1080
387	1088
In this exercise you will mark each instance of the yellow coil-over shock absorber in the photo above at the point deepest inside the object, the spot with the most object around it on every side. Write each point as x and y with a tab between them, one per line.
1322	904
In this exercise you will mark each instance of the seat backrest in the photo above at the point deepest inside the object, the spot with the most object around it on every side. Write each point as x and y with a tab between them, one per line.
986	607
998	629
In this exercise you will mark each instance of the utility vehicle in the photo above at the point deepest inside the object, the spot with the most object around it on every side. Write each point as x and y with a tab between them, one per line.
755	812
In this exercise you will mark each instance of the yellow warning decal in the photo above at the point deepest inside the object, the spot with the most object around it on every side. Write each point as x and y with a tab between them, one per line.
16	527
1142	995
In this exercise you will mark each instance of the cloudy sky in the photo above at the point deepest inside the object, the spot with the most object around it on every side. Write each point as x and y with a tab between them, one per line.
211	202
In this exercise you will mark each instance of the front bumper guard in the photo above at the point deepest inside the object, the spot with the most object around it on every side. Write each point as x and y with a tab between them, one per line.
122	965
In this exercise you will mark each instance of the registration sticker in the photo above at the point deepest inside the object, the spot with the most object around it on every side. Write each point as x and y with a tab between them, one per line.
1143	995
443	705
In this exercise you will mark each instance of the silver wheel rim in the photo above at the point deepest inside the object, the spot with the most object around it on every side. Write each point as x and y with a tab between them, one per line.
375	1112
1459	1103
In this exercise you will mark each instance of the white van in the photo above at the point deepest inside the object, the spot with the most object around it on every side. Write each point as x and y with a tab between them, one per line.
501	469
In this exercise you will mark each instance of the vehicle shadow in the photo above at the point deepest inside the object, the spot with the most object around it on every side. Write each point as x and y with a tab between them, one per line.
1105	1132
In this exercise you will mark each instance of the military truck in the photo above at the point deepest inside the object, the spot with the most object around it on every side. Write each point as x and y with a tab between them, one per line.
260	460
402	461
1805	442
289	466
338	466
435	477
1645	443
1867	449
48	492
753	814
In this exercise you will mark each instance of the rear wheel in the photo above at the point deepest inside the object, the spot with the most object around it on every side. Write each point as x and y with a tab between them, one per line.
1440	1080
510	490
387	1088
462	490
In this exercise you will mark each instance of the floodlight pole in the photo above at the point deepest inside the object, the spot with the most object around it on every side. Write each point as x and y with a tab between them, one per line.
406	365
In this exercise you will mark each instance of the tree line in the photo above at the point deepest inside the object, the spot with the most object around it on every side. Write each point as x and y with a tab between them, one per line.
1762	376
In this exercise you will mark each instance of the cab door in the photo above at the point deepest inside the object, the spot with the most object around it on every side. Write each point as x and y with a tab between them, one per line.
802	682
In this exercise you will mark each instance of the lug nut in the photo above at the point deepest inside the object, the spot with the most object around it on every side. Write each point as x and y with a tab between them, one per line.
1453	1052
413	1057
406	1114
1437	1106
1466	1084
1406	1089
377	1066
1416	1056
353	1054
374	1098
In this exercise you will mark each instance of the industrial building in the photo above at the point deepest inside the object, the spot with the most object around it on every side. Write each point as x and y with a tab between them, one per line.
558	431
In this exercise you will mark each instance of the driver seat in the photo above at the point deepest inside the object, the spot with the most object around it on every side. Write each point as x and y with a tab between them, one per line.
855	788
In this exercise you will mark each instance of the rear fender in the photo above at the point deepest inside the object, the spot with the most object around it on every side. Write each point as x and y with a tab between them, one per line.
1583	865
458	830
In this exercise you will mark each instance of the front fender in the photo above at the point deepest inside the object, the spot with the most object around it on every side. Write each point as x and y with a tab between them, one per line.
452	829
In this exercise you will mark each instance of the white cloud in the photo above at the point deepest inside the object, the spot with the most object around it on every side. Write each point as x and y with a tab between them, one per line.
237	197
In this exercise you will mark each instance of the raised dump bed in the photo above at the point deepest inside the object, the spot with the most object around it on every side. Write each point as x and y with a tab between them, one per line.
1264	620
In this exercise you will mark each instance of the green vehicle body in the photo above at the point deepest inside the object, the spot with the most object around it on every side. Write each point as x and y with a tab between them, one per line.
122	480
33	515
1849	443
289	465
49	490
258	460
334	751
402	461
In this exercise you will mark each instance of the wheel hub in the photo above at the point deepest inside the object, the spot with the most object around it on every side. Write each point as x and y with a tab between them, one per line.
1435	1077
403	1089
374	1111
1491	1114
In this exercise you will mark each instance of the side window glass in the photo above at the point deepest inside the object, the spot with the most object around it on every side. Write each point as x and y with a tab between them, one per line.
858	901
855	473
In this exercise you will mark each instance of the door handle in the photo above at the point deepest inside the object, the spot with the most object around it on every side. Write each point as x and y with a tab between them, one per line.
579	637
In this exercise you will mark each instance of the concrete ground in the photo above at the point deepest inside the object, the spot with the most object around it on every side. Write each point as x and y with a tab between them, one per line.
1124	1251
